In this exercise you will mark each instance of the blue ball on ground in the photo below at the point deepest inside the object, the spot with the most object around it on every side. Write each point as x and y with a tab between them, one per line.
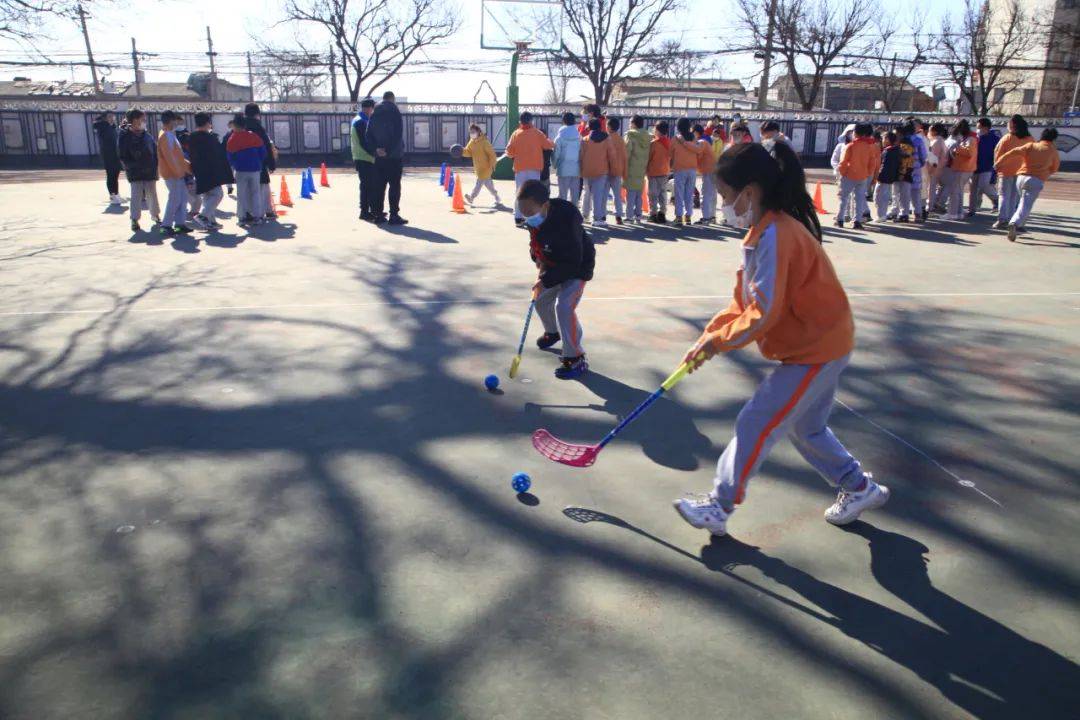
491	382
521	482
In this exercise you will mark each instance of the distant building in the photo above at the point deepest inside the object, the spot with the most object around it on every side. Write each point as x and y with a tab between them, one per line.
199	86
1049	89
850	92
699	93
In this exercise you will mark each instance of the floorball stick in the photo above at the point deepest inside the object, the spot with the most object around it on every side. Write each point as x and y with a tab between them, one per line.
516	362
574	455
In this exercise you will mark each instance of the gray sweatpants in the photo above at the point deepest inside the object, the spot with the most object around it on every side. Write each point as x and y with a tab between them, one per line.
1009	199
248	200
955	193
794	400
266	199
596	193
980	185
489	184
883	196
520	178
708	196
144	197
854	192
557	308
614	183
568	188
633	204
902	197
684	192
210	201
1029	188
658	193
176	204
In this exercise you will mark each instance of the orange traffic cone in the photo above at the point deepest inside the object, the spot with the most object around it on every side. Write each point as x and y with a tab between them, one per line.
818	207
286	200
324	181
446	181
458	203
274	207
645	209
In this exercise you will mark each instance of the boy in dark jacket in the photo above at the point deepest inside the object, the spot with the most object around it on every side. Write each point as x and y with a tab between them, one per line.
210	165
105	129
138	153
565	256
888	175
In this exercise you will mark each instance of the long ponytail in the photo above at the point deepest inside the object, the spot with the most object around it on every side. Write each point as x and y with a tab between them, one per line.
778	173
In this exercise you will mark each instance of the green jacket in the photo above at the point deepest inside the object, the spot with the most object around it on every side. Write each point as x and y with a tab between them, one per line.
358	126
637	158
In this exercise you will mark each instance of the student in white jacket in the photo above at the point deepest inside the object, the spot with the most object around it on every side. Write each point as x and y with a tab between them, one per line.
845	137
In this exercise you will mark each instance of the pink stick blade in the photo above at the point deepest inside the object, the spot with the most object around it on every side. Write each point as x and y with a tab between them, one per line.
563	452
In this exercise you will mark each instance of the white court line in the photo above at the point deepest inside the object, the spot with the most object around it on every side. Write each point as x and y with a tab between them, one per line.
637	298
894	436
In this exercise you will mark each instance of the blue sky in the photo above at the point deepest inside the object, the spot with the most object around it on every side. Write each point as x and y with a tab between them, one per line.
180	27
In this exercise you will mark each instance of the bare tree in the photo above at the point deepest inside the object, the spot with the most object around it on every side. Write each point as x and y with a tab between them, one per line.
605	39
672	61
807	33
285	75
892	56
560	72
23	21
376	38
978	49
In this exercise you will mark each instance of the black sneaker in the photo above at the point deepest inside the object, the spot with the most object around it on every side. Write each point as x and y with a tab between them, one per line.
135	226
271	215
572	368
183	229
397	220
366	216
547	340
838	223
856	225
618	220
167	231
379	219
661	218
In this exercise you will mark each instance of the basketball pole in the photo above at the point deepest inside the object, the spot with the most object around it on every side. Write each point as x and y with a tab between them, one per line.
504	168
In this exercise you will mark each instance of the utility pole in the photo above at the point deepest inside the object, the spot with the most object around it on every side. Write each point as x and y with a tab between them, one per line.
763	89
135	64
333	76
89	52
251	79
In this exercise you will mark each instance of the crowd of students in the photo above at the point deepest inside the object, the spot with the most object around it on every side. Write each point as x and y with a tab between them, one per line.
891	166
194	165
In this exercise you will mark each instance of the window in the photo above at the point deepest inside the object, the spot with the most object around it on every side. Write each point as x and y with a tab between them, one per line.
346	128
282	136
449	130
312	136
1029	96
13	137
999	95
42	144
422	135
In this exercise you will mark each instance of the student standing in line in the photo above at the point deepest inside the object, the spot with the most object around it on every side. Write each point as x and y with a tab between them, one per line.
963	151
526	147
685	154
567	159
253	123
137	151
887	176
982	182
1009	198
246	155
859	161
597	159
1040	161
637	160
173	167
210	164
657	171
938	174
618	166
706	165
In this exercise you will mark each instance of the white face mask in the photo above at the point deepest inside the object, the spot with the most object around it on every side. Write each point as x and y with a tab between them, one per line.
736	220
474	135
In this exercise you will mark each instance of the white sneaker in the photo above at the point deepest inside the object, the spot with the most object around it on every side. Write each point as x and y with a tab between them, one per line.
115	200
704	513
849	506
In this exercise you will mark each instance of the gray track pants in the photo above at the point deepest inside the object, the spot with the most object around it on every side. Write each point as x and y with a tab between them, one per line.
568	188
794	400
248	200
980	185
210	201
557	308
853	192
633	204
176	204
489	184
1009	199
596	197
144	197
658	194
1029	188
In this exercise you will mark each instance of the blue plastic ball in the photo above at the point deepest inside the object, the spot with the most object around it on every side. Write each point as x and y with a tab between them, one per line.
491	382
521	482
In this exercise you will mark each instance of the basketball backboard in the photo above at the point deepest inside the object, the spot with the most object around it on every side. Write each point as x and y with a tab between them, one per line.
506	23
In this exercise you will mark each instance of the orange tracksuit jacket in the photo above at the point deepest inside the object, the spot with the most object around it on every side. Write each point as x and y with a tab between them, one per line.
787	298
171	161
1038	159
659	159
859	159
1011	167
685	154
527	146
966	154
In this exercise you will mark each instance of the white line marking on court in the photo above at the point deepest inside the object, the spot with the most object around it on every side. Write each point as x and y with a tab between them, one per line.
510	301
960	481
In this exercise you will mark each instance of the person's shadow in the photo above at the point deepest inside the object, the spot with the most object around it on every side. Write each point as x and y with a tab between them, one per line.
973	660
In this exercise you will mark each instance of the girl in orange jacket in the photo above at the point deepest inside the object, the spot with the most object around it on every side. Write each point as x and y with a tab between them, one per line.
1008	197
657	171
1039	161
789	301
963	152
686	153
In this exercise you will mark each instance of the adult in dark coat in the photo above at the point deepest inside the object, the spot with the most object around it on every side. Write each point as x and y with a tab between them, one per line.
105	129
384	139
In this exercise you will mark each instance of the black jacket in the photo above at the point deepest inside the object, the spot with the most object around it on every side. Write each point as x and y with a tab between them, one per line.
138	153
269	165
562	246
209	163
890	165
106	135
384	130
